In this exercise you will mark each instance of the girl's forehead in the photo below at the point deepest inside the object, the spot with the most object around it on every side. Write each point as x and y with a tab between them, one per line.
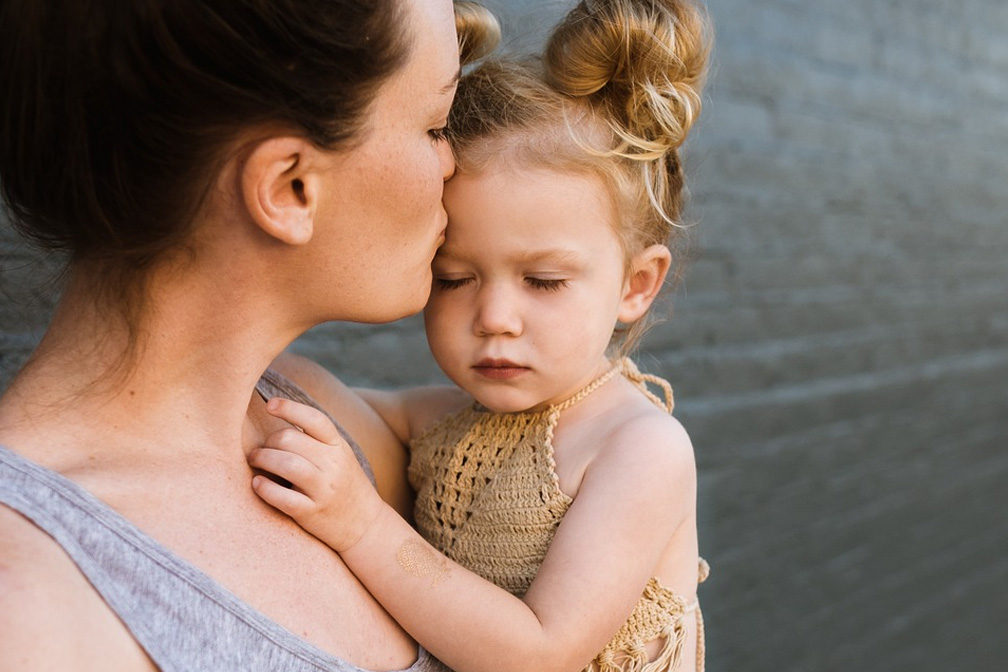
522	214
529	189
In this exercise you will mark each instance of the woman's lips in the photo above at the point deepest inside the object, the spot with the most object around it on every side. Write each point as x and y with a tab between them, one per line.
499	369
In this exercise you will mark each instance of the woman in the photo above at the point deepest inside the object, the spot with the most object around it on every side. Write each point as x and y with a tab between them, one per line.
224	175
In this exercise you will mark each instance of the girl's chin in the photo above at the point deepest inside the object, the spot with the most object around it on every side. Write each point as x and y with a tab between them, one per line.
497	405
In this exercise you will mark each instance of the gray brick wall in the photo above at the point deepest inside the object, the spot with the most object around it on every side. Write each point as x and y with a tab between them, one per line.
28	289
840	345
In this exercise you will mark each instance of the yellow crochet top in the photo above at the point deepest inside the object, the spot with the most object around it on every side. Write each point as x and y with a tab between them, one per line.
488	497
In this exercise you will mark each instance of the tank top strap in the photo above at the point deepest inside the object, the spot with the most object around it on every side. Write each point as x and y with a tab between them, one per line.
275	384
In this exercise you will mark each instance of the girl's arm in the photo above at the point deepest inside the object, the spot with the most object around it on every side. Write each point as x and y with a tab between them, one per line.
605	550
411	410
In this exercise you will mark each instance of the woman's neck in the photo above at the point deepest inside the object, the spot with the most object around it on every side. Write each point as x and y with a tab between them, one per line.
187	374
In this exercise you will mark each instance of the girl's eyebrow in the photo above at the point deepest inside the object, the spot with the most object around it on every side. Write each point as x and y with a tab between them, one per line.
559	256
554	255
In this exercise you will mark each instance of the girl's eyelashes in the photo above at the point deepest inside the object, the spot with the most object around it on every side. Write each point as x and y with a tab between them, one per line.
439	134
544	284
548	284
451	283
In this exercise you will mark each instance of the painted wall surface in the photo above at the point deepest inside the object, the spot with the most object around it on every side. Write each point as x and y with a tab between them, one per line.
839	347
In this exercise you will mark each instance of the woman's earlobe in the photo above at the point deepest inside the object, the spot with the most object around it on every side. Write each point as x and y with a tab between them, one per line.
276	189
647	276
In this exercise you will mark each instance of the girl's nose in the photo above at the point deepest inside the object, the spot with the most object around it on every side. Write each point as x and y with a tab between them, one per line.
497	313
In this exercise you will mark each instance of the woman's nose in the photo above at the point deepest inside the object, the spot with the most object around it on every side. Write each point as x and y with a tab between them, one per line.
447	157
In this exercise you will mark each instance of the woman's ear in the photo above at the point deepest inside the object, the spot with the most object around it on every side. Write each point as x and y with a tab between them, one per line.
279	189
647	275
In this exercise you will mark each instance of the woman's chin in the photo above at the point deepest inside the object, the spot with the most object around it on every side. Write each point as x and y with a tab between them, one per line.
394	313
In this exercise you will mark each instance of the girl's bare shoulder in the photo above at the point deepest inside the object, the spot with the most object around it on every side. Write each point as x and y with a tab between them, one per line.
622	436
645	442
433	404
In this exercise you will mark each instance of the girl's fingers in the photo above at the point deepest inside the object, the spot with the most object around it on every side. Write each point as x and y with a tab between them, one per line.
288	465
284	499
312	421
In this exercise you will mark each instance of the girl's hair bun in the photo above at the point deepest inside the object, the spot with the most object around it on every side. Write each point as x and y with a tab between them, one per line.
640	63
478	31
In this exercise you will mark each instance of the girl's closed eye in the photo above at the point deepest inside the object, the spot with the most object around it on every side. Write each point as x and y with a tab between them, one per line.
548	284
439	134
450	283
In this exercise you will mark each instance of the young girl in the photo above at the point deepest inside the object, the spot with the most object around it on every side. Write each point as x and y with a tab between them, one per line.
567	483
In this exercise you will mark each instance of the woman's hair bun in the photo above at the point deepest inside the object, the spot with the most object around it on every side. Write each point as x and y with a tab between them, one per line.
478	30
640	63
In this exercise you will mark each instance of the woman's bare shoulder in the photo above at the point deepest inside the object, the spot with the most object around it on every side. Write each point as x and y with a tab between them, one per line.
50	615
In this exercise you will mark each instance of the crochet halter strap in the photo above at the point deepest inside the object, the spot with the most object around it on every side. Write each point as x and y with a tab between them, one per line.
488	496
630	371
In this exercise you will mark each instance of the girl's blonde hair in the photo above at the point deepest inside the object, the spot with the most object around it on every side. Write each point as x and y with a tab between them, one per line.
477	28
614	95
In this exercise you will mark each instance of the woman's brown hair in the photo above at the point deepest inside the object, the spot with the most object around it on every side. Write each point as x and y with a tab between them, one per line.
116	115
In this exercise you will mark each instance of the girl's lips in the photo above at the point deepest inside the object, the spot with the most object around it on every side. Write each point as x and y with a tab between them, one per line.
499	369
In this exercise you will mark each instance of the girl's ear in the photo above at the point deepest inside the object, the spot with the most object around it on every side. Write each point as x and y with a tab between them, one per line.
279	188
647	275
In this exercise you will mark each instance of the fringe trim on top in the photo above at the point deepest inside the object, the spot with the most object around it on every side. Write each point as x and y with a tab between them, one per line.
659	615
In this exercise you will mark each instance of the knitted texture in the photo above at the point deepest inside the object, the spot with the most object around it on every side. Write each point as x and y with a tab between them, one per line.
489	498
487	493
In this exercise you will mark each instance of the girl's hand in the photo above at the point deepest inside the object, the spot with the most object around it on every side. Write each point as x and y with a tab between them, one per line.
329	494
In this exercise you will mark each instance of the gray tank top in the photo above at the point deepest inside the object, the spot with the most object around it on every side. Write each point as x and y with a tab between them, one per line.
183	619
